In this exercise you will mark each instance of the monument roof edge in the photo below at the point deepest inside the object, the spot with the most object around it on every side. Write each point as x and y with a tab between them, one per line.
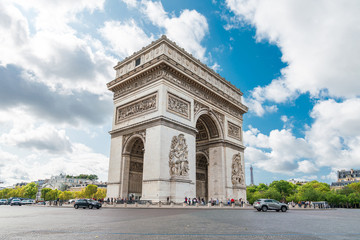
164	38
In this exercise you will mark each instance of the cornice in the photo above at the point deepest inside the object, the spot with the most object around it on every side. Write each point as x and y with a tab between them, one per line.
165	47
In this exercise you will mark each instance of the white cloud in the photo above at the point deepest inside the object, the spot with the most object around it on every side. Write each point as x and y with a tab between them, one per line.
335	134
333	140
188	30
40	166
318	40
124	37
52	51
40	138
131	3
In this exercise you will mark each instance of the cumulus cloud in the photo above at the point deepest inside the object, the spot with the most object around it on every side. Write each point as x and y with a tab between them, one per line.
189	29
331	141
318	41
52	51
124	37
335	134
40	166
41	138
39	100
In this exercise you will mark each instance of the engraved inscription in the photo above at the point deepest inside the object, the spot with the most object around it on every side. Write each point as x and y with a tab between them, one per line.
138	107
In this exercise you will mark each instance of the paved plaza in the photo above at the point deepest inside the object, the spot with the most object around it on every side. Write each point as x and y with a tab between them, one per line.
39	222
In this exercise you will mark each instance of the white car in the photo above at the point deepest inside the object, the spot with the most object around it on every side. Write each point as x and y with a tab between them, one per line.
27	201
15	201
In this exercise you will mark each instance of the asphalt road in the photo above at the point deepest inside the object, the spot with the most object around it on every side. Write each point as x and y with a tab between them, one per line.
35	222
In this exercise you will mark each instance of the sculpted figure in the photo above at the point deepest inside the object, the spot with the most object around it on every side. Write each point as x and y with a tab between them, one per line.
236	170
178	156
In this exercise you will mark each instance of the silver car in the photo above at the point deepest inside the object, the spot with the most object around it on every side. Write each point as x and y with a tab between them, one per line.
269	204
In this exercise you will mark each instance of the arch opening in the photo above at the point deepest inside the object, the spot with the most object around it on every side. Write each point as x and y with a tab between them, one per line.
207	130
136	164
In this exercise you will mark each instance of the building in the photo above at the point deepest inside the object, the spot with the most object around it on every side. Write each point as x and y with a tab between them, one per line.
297	181
345	178
176	130
63	182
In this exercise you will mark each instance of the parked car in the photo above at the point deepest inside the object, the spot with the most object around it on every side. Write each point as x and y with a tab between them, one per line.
28	201
84	203
15	201
72	201
269	204
3	202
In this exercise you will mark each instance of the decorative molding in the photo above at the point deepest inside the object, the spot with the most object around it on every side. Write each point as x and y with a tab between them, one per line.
234	131
136	167
178	157
164	47
198	107
138	107
187	84
178	105
163	71
220	117
237	172
141	133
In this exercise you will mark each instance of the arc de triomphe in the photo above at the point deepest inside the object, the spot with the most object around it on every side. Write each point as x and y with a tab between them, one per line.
177	129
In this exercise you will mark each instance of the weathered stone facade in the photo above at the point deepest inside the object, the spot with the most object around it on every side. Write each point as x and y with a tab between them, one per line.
177	129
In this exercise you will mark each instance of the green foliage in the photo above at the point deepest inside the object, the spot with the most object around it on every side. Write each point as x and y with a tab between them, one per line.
66	195
285	188
90	190
30	190
44	194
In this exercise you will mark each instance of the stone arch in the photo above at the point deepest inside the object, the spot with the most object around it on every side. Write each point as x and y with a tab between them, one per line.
202	176
211	121
133	154
128	142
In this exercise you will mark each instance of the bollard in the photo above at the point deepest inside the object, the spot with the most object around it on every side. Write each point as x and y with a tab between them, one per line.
159	204
221	205
197	204
209	204
125	204
233	205
136	204
171	204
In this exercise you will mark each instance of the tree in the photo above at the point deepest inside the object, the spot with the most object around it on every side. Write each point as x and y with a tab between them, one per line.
100	194
30	190
273	193
90	190
285	188
44	193
66	195
355	186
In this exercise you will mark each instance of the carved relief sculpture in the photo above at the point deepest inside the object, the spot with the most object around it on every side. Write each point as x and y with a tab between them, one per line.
237	174
141	106
234	131
178	157
178	105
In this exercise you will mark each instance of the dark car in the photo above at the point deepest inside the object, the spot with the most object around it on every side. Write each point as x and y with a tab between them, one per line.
270	204
87	203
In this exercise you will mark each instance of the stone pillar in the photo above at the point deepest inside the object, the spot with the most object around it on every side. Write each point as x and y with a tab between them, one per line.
115	163
125	176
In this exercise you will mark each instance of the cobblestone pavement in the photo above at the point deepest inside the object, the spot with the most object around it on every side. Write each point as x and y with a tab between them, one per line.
35	222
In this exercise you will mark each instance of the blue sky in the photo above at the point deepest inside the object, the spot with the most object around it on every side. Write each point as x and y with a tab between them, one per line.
295	62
